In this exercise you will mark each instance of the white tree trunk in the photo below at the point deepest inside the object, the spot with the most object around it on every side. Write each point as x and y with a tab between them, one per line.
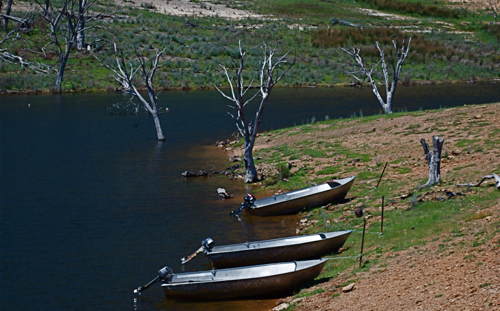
80	33
159	132
433	160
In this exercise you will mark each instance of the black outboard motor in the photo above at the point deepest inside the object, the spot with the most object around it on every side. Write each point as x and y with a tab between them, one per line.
164	274
207	244
248	201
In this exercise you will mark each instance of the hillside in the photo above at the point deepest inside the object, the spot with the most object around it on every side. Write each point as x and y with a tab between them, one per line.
451	42
440	248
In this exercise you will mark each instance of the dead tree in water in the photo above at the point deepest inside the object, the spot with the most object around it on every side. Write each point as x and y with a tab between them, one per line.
361	71
269	75
433	160
125	77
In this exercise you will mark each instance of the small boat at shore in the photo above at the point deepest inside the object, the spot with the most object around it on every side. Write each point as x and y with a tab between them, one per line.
300	247
295	201
240	282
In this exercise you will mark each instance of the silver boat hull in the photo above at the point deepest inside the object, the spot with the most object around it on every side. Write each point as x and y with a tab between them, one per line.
277	250
243	281
296	201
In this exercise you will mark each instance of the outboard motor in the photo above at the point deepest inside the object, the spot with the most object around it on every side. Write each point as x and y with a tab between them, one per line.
207	244
164	273
248	201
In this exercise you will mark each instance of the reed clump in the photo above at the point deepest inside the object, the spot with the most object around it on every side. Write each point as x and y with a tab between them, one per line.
414	8
422	49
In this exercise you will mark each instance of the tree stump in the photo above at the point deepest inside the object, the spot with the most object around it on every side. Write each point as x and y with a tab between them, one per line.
433	160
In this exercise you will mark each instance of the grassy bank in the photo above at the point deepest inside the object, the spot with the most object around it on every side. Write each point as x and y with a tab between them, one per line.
446	47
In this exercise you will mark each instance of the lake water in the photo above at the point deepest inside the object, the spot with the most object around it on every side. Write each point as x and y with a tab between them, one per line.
92	205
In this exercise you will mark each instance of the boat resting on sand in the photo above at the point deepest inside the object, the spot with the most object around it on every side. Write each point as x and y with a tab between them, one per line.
300	247
293	202
241	281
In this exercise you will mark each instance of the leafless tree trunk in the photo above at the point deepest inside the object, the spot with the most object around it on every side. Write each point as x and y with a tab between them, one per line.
125	76
7	12
433	160
269	74
361	72
494	7
80	26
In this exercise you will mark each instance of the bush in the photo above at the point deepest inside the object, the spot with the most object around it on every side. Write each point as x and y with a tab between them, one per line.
413	8
283	170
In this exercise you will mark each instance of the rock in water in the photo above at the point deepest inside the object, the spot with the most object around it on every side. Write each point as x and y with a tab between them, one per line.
223	194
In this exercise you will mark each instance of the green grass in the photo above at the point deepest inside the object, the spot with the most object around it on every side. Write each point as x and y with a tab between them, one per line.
466	142
329	171
306	293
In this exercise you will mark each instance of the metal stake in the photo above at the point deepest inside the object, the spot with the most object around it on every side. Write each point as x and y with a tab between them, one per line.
362	244
382	224
382	174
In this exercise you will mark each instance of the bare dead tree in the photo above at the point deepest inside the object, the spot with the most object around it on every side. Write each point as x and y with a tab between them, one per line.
7	13
492	176
65	23
269	74
433	160
125	77
494	7
361	70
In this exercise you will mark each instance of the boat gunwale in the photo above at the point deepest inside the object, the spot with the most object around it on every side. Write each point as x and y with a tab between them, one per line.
212	281
351	179
214	252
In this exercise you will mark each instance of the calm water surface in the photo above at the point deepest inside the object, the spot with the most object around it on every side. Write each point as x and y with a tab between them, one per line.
92	205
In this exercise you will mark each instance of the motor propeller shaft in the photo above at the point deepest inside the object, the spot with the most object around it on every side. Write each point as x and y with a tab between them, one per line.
206	246
163	274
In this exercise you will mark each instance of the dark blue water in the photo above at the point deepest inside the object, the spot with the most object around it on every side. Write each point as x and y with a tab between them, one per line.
92	205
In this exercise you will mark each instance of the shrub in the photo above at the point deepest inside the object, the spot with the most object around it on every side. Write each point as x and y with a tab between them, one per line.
413	8
283	170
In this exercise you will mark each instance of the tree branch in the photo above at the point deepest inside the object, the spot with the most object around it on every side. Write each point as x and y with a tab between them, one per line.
494	176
